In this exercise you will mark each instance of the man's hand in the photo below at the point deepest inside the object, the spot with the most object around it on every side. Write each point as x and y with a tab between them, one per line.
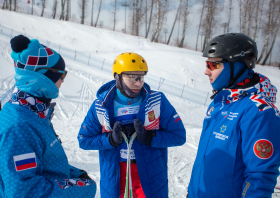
143	136
116	136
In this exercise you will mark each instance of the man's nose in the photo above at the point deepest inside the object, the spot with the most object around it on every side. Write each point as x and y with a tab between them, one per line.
137	82
207	72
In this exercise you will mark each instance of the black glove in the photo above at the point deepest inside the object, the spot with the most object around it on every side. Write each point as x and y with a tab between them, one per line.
85	176
116	136
143	136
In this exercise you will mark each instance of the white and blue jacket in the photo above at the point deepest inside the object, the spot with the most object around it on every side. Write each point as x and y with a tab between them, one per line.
156	114
239	150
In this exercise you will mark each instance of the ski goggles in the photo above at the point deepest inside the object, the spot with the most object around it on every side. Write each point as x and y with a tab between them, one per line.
63	72
211	65
133	77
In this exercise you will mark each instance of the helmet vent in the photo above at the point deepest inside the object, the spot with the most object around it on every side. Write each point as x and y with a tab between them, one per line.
212	51
232	33
114	62
222	35
215	43
143	61
133	61
129	53
122	53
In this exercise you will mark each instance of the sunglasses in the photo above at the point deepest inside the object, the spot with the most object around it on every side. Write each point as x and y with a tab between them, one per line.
133	77
63	72
211	65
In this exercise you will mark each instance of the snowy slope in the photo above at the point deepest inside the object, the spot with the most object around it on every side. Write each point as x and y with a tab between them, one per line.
79	89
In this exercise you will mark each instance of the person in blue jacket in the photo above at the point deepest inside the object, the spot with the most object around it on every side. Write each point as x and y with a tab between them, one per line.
239	150
32	160
128	104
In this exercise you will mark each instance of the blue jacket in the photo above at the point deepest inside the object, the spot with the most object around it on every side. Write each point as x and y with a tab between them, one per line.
156	114
32	160
239	150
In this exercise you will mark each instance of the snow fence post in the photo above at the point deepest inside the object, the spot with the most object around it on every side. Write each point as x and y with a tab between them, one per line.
206	99
75	56
11	33
88	59
102	64
182	91
160	82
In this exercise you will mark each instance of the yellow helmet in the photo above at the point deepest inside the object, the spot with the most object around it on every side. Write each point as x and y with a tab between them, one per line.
129	61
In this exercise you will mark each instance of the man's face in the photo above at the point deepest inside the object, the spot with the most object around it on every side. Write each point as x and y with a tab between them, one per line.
213	75
58	83
130	81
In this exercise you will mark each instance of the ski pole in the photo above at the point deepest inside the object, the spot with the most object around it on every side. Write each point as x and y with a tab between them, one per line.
128	183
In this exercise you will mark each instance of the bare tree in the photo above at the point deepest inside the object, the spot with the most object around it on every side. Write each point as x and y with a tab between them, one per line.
5	4
115	11
244	15
54	8
91	18
240	15
161	20
67	10
83	4
185	25
268	28
32	7
151	14
133	16
10	5
250	9
229	15
62	10
98	13
259	22
43	7
175	23
139	16
157	21
271	29
15	5
208	21
274	38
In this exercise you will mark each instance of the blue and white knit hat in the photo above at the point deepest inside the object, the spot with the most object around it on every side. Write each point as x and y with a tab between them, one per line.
29	55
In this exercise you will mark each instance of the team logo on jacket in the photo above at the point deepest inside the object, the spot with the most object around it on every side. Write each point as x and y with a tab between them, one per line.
151	116
25	161
223	128
263	149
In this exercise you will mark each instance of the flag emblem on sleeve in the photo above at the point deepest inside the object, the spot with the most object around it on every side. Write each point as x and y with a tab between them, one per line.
25	161
176	117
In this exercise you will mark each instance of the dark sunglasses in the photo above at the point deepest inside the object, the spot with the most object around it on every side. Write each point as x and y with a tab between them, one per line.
211	65
63	72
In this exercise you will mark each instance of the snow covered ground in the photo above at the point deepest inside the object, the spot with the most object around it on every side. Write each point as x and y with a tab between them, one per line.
79	89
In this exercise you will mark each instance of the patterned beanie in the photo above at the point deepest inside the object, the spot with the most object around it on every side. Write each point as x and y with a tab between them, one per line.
31	55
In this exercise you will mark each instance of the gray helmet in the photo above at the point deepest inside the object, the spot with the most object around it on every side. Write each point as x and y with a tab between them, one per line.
233	47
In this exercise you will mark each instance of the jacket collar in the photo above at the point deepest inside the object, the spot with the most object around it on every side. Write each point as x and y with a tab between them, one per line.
107	92
260	85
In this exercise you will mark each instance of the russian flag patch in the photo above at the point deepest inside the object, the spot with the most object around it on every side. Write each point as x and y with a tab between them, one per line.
25	161
177	117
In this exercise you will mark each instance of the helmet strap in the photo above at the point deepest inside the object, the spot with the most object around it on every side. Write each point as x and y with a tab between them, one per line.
232	78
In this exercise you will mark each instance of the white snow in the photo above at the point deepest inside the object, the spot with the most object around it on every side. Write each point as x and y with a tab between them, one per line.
79	89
